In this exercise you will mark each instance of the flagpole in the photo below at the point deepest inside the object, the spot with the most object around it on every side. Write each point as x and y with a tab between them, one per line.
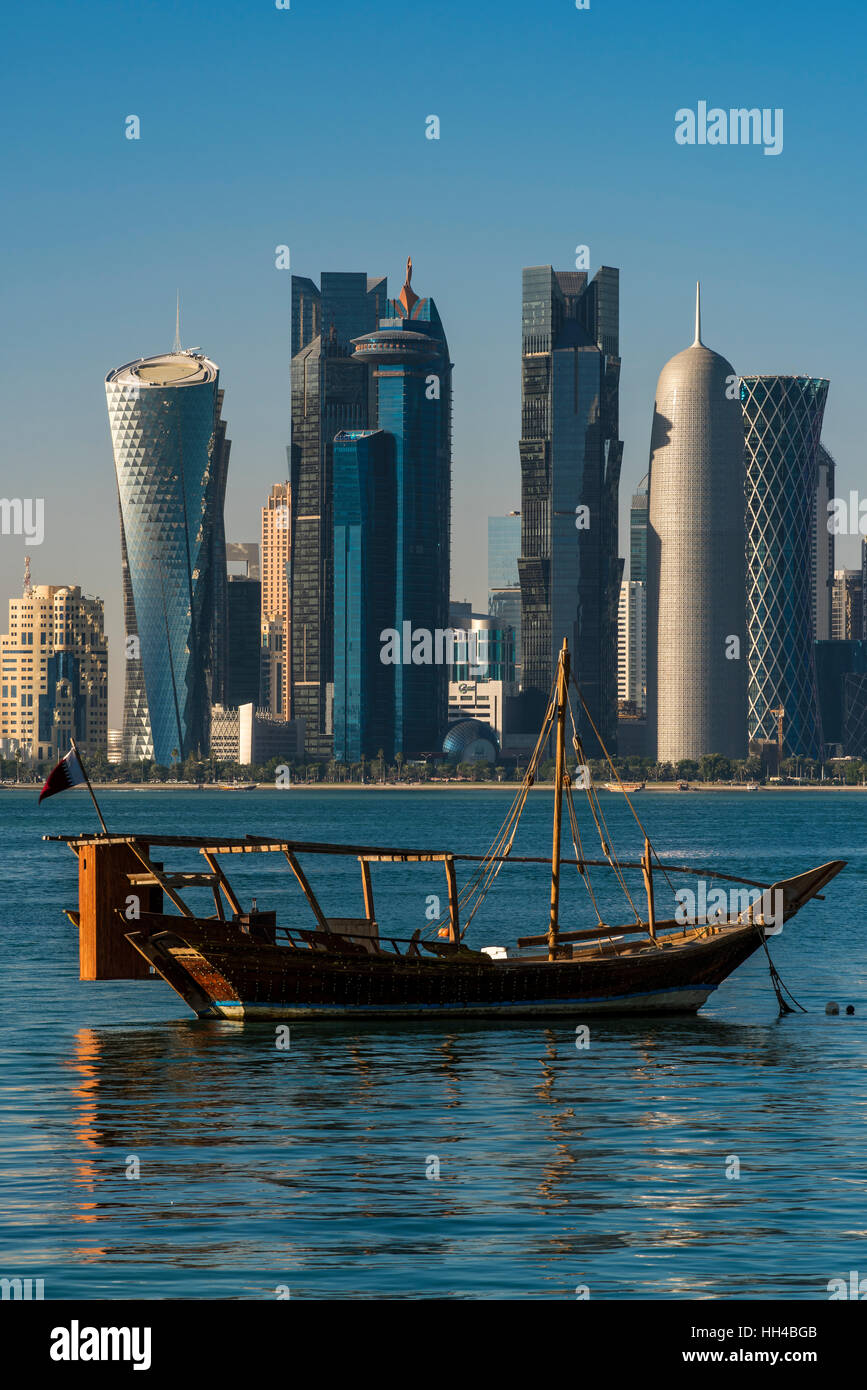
87	780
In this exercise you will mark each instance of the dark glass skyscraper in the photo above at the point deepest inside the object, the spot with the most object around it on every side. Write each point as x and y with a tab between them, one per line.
783	422
330	393
364	594
171	458
570	460
242	683
413	392
834	661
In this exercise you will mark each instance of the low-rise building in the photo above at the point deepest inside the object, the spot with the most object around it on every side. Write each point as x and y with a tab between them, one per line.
254	736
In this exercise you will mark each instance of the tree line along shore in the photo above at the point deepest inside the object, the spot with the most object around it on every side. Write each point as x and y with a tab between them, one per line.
713	772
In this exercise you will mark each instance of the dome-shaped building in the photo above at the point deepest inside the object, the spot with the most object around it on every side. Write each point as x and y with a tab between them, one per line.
471	741
696	599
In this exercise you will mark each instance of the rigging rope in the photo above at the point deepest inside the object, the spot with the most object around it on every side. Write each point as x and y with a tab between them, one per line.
479	885
579	852
597	813
638	820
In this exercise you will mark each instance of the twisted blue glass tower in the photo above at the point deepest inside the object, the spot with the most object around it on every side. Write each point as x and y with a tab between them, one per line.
171	457
783	422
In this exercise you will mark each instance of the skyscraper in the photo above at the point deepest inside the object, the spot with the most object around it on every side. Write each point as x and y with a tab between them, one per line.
364	593
570	470
783	420
632	615
330	393
504	585
412	382
54	672
834	661
638	511
171	458
276	609
242	683
822	556
504	549
847	605
696	629
632	644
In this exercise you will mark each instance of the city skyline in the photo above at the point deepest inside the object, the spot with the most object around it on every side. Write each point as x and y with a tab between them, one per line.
626	543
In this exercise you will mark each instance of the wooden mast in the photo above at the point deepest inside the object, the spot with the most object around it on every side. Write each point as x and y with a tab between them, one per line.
647	870
559	778
454	909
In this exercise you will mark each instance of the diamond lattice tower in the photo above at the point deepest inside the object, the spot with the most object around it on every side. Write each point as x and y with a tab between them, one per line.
783	422
696	629
171	457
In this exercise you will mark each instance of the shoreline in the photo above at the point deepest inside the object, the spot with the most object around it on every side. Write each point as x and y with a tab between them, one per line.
667	787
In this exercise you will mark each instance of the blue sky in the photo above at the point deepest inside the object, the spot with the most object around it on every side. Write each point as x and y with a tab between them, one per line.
306	126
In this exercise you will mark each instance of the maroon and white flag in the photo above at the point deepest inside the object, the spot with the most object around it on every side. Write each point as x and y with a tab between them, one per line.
68	773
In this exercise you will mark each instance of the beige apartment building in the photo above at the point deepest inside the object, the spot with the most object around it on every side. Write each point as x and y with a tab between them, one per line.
54	673
276	554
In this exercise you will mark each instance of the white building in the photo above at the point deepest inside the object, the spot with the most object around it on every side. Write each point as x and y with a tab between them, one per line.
248	735
494	703
632	643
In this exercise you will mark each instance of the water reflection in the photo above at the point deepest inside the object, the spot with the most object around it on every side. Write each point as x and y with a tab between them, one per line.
557	1165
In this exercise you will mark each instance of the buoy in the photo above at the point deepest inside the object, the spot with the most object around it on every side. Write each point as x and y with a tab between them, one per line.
850	1008
831	1007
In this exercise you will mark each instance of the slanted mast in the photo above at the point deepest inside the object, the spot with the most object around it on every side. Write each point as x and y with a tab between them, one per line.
561	698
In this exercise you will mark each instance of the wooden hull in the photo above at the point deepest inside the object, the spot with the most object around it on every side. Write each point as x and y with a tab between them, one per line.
220	973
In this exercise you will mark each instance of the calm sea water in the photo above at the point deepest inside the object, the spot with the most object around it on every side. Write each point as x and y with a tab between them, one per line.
558	1167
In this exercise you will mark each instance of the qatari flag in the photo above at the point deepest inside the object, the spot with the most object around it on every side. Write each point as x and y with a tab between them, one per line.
68	773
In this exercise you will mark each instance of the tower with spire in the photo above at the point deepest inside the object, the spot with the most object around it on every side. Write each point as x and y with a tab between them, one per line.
412	389
696	598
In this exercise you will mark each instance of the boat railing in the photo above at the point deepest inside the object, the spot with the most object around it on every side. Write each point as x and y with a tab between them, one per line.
301	938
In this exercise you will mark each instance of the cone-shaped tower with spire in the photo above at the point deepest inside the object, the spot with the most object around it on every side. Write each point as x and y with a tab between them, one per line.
696	602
